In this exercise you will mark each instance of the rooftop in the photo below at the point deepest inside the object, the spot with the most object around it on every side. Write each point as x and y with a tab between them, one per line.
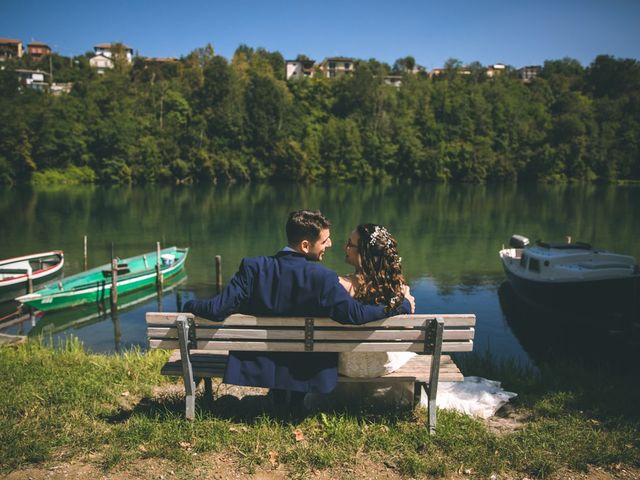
338	59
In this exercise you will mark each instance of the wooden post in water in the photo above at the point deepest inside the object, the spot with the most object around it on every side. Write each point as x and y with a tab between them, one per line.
159	279
114	284
29	281
178	300
218	273
85	254
117	333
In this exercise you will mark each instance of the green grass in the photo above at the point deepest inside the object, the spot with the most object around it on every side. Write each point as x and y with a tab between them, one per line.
65	404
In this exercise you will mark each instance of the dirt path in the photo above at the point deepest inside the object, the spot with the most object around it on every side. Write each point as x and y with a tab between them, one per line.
218	467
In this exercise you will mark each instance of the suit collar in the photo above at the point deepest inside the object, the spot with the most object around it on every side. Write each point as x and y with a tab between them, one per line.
291	253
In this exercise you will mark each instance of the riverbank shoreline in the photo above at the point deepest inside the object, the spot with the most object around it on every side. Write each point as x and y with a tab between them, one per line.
69	412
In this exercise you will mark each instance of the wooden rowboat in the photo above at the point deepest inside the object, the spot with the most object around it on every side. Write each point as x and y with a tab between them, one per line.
95	285
19	274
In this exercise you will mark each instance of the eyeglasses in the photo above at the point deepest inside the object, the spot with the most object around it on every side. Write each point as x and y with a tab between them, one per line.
350	245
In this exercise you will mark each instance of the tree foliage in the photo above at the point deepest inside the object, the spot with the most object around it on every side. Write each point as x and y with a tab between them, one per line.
204	118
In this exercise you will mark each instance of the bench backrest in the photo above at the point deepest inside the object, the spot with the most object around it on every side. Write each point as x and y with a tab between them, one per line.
402	333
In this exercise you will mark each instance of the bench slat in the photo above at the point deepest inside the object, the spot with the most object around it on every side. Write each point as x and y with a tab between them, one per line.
345	335
461	346
257	346
416	369
215	355
450	320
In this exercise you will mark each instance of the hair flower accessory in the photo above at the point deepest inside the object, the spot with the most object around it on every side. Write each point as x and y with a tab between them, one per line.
382	233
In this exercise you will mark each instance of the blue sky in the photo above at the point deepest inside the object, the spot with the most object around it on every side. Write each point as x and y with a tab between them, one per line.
516	32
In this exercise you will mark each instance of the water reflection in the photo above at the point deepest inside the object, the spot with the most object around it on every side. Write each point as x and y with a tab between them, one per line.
449	235
600	341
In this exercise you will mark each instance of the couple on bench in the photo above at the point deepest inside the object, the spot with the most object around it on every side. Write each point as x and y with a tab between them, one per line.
293	283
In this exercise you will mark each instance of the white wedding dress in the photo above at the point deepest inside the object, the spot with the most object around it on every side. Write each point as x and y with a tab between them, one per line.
365	394
371	364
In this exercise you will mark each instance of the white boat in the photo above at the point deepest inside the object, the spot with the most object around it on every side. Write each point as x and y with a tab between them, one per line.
16	274
571	277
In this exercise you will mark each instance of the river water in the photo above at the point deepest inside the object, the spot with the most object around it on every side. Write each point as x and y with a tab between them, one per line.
449	237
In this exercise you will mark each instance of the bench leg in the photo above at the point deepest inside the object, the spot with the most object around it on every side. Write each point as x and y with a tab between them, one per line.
431	404
190	406
208	389
187	371
431	411
417	388
434	375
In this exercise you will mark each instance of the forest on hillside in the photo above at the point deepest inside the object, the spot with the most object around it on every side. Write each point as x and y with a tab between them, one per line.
204	119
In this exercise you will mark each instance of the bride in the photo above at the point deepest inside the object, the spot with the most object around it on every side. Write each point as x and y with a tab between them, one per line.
377	279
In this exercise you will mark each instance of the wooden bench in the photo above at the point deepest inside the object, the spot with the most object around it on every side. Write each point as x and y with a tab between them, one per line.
202	345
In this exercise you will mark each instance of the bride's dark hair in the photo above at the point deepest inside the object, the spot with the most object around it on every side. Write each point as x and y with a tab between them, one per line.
379	278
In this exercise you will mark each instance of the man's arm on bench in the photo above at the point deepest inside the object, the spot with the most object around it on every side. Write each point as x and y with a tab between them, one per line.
343	308
227	302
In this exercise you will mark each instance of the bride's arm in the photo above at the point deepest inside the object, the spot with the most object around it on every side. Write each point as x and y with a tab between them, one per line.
406	291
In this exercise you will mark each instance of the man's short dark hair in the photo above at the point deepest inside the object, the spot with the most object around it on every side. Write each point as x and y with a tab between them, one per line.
305	225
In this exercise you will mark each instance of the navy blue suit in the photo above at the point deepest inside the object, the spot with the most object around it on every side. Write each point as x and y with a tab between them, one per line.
286	284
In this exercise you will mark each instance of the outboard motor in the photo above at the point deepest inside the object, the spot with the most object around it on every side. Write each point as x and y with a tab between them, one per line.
518	241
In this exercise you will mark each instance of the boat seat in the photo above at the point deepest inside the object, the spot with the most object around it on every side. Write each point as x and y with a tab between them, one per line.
122	268
10	270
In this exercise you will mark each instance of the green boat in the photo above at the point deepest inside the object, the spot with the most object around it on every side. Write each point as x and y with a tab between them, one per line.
50	323
95	285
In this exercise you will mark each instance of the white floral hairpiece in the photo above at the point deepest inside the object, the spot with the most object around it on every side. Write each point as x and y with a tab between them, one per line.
377	232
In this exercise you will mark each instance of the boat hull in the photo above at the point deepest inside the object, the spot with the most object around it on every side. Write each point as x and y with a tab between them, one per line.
596	297
97	291
59	321
12	287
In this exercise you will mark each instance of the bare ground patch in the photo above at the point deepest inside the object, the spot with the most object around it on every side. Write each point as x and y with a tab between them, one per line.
507	420
218	466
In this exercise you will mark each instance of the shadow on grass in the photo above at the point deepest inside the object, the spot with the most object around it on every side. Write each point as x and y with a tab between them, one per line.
250	409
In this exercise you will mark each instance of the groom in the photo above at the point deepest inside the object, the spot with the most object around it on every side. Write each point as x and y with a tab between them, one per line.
290	283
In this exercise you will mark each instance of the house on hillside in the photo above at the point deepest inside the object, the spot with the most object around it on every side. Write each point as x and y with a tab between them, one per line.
459	71
109	50
333	67
58	89
299	68
415	70
529	72
393	80
37	50
101	63
10	49
495	69
33	79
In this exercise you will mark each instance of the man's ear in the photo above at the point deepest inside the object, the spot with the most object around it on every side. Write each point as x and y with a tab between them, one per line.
305	245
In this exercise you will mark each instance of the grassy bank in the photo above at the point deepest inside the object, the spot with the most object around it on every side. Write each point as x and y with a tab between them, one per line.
63	405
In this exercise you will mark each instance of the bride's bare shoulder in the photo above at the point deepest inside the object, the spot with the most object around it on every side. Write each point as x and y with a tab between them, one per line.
347	282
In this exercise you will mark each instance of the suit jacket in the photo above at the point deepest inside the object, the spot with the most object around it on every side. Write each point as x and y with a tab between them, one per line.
286	284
